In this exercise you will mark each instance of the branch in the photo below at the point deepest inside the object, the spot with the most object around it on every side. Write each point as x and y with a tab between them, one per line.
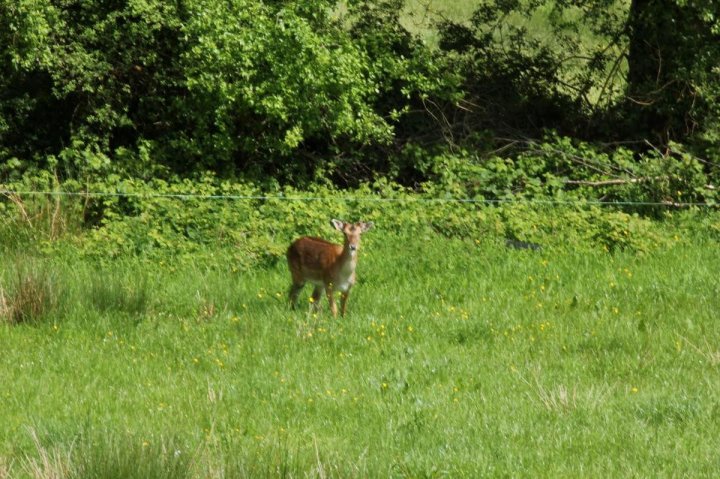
613	71
615	181
17	201
624	181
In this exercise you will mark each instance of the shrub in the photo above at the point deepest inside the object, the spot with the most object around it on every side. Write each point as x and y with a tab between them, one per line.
250	224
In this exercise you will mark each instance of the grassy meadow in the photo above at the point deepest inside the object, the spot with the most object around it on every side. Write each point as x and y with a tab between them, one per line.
421	17
457	359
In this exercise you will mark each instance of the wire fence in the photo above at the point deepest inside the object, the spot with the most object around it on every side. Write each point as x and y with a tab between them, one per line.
361	199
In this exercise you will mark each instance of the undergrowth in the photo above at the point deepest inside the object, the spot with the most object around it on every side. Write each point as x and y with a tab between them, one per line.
186	220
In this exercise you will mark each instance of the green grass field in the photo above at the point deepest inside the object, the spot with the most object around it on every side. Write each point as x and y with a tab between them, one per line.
457	359
421	17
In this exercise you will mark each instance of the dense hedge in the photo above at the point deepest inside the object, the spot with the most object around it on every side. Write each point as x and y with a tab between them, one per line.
250	224
301	90
240	87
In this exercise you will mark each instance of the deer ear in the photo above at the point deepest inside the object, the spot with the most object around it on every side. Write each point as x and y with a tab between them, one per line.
366	226
337	224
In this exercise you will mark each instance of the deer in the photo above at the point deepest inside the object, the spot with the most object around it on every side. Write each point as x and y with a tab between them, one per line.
326	265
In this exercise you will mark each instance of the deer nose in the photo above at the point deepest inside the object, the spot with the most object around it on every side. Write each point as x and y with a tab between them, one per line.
353	247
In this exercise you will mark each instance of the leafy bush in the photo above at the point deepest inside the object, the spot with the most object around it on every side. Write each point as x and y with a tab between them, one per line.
304	91
286	89
250	225
264	79
562	169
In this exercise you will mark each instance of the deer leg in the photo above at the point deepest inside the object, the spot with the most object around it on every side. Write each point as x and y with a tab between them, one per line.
343	302
331	300
316	295
294	292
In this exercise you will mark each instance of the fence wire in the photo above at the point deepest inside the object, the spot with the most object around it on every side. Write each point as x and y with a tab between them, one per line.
359	199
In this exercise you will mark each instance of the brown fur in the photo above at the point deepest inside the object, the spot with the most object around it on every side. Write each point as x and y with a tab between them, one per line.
328	265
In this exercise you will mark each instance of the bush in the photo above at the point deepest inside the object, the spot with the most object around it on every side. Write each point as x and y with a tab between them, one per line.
247	87
562	169
166	221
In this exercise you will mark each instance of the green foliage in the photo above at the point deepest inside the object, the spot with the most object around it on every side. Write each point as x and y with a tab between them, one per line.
673	81
267	79
306	91
643	70
529	200
532	65
561	169
85	77
27	217
247	86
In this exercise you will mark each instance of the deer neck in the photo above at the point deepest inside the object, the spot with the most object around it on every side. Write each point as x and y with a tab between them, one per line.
347	259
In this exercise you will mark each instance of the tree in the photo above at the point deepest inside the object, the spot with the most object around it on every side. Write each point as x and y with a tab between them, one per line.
599	70
241	87
674	68
83	81
272	87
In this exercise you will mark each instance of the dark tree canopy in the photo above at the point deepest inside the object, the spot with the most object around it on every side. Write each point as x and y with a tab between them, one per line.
673	68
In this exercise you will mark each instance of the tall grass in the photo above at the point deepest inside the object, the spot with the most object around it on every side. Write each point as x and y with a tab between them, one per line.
127	292
130	458
46	463
457	358
30	294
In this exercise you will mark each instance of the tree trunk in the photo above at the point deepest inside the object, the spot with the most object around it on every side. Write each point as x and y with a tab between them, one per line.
665	41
